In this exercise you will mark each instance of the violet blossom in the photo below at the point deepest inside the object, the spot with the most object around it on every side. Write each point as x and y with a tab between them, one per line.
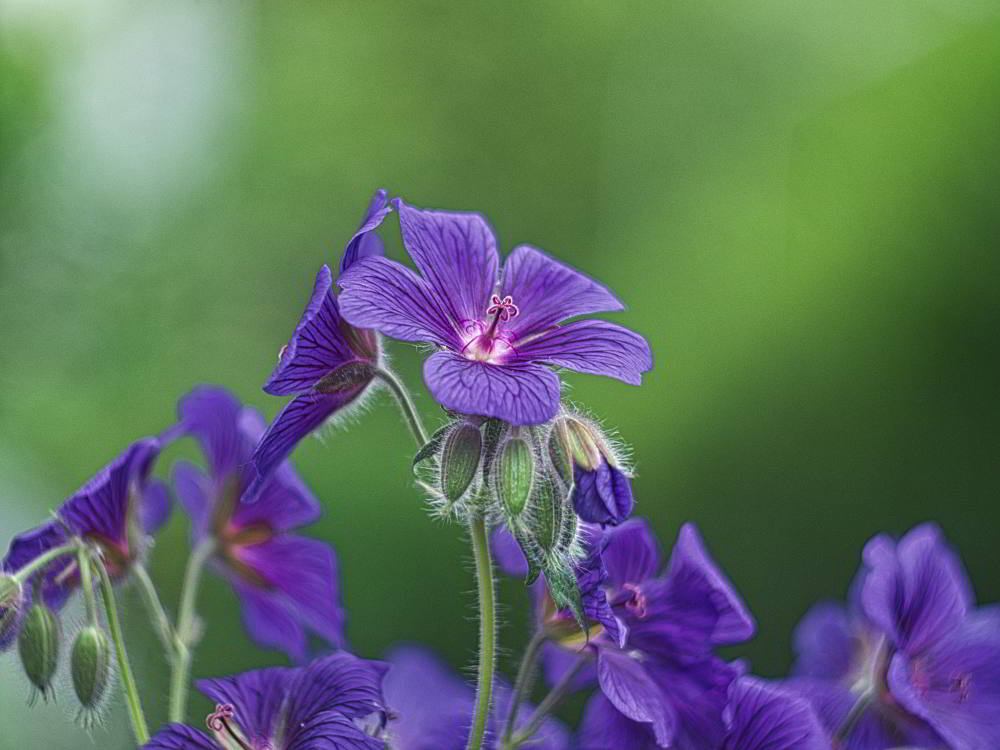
765	716
496	330
286	583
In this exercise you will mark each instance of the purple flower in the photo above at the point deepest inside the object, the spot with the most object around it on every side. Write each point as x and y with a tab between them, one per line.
913	642
431	707
496	330
335	703
327	364
762	716
661	684
287	584
115	511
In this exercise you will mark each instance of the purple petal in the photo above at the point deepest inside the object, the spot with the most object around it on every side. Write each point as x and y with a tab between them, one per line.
698	693
456	253
322	343
256	697
270	620
630	689
602	496
916	591
507	553
195	493
304	572
765	717
365	242
522	394
329	730
340	682
180	737
387	296
155	508
212	415
591	577
29	545
591	346
558	660
631	553
297	420
547	292
955	685
604	726
825	642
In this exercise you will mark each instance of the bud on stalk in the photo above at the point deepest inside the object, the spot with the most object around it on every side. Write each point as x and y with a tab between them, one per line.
515	471
460	456
90	666
38	646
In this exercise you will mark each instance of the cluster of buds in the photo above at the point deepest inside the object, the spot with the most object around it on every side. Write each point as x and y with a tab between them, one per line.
540	482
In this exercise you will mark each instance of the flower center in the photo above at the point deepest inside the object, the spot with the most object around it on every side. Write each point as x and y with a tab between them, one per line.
484	342
227	732
636	603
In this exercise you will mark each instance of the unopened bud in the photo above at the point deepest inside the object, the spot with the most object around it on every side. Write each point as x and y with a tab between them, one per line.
547	519
11	602
90	666
573	442
460	457
515	471
38	646
350	375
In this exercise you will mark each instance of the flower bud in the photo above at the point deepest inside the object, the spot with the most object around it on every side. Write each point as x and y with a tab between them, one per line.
574	443
90	666
11	603
547	519
602	492
460	455
38	646
515	470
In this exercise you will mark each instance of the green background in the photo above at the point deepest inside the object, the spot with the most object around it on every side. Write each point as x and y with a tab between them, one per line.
797	201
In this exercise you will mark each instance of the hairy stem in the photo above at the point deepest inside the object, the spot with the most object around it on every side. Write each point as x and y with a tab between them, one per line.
548	704
139	727
44	559
406	405
184	636
154	608
87	584
524	682
487	631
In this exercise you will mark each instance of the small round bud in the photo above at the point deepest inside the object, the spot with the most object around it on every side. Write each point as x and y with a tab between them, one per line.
38	646
515	471
460	456
90	666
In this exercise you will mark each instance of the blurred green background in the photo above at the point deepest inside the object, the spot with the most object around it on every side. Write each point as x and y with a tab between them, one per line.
798	202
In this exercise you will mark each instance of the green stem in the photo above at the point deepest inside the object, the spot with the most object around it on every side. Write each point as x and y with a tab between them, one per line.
154	607
406	405
547	705
487	631
87	584
138	719
44	559
523	683
184	636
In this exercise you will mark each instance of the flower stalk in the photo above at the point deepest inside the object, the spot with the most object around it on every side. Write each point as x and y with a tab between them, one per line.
184	636
487	630
523	682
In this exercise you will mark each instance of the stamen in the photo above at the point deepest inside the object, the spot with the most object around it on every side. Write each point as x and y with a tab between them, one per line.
504	309
637	602
218	722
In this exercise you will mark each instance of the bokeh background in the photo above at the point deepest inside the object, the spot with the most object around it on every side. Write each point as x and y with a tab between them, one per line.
798	201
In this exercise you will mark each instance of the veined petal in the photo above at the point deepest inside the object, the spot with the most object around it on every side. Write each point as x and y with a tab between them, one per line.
33	543
212	415
283	503
322	342
329	730
632	691
456	253
631	553
256	697
154	507
604	726
519	393
825	642
365	242
602	496
766	717
270	619
591	346
697	692
547	292
385	295
180	737
340	682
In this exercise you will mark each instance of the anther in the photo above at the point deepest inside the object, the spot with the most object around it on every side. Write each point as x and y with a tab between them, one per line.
636	603
218	722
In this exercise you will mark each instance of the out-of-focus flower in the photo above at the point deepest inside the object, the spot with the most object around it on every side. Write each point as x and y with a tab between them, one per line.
763	716
287	584
431	707
911	647
495	331
335	703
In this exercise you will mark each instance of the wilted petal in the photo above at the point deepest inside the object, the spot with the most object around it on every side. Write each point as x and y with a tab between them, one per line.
602	496
387	296
604	726
630	689
329	730
180	737
522	394
456	253
365	242
322	342
547	292
591	577
825	642
765	717
631	553
916	591
256	697
591	346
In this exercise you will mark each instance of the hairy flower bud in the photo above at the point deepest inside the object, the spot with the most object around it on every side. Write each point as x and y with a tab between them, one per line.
11	602
38	646
90	666
460	456
515	471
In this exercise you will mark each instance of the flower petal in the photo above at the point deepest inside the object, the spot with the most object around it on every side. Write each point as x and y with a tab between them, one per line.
766	717
155	507
283	503
595	347
270	619
604	726
917	591
558	660
340	682
322	342
256	697
602	496
385	295
456	253
825	643
519	393
631	690
195	493
180	737
698	693
25	547
631	553
212	415
364	242
507	553
547	292
329	730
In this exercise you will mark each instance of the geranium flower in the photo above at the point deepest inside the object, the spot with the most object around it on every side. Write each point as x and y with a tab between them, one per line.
495	331
764	716
287	583
335	703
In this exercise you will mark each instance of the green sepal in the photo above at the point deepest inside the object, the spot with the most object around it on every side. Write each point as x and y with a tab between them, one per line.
564	589
493	431
534	554
460	456
430	448
514	475
38	646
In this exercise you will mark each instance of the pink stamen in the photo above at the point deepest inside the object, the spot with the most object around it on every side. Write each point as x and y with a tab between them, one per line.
218	722
504	309
636	604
